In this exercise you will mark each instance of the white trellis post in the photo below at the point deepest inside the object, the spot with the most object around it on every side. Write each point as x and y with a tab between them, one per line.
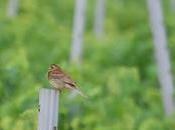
162	54
48	109
99	18
172	5
12	9
78	31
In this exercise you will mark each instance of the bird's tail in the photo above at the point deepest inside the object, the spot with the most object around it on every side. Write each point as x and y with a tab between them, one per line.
78	91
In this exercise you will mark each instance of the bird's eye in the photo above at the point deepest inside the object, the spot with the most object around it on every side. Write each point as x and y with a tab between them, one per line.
52	66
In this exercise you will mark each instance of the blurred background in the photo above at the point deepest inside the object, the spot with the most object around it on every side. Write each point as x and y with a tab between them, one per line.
120	52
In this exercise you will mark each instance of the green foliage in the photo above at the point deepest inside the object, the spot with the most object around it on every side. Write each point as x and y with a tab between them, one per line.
118	72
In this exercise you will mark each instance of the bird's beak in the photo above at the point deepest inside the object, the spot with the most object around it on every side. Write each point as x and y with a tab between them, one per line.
49	69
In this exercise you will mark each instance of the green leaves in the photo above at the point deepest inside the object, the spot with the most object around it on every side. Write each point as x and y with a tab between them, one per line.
118	72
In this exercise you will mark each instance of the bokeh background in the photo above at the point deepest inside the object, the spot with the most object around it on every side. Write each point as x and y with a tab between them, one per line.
118	71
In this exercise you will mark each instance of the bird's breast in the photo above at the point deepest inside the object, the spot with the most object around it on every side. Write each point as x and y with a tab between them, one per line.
56	83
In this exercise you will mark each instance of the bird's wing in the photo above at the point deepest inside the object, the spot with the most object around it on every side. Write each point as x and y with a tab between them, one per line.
69	81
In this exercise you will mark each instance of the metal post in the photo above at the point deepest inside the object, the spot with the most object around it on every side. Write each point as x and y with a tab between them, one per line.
99	18
161	54
12	9
78	31
48	109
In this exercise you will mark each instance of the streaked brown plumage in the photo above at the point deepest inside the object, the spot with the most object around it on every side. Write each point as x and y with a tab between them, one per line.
59	80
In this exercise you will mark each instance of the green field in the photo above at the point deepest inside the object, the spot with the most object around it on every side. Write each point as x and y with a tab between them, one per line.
118	72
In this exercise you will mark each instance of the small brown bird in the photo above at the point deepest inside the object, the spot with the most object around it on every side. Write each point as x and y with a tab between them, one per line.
59	80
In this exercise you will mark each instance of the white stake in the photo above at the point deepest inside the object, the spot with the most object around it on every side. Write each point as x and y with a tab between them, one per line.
161	54
12	9
48	109
78	31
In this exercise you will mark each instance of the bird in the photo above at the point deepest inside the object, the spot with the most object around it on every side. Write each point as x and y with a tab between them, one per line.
60	80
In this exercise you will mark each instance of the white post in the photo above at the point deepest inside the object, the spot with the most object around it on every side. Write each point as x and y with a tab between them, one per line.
78	31
12	9
161	53
99	18
172	5
48	109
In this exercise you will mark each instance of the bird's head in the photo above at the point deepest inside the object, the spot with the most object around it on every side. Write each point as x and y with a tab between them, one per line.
53	67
